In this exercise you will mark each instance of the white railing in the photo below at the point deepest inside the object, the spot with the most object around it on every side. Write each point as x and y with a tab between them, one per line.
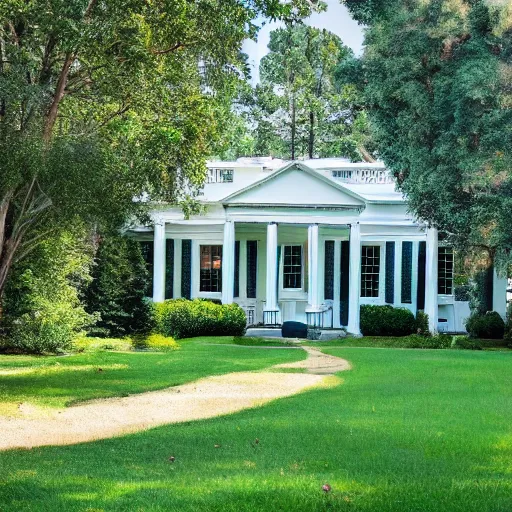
378	176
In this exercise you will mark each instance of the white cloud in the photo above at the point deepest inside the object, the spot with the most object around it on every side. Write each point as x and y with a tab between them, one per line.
336	19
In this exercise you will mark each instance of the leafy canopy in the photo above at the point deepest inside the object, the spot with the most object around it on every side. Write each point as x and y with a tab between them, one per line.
436	76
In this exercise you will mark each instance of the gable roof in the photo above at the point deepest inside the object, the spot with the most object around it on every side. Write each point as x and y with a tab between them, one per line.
341	195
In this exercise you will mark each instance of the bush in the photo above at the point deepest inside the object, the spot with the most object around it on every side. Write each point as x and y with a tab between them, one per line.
466	343
386	321
51	328
488	326
42	307
182	318
422	324
120	283
154	342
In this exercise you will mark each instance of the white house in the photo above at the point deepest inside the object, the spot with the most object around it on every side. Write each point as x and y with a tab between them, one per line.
309	241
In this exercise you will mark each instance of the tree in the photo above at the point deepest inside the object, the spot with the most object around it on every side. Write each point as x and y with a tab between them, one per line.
301	107
119	285
437	86
104	100
43	309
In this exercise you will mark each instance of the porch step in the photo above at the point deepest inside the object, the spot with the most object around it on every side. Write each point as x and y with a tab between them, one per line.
275	332
263	332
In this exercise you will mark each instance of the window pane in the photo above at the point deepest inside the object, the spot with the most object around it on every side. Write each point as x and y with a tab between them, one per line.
292	266
445	271
370	268
210	279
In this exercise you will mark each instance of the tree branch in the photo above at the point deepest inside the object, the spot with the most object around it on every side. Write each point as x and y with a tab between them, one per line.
173	48
57	98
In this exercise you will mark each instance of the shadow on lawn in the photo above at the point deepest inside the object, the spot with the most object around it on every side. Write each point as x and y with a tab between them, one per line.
408	431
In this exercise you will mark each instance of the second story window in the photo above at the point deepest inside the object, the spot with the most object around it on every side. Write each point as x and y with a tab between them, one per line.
220	175
445	271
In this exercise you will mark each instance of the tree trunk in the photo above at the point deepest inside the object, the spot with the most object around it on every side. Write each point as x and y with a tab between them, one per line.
293	127
311	145
367	157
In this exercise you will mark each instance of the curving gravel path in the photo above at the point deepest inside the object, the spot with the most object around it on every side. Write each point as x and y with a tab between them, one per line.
204	398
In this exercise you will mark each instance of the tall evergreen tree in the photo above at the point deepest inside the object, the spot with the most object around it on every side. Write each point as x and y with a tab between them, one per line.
437	77
302	108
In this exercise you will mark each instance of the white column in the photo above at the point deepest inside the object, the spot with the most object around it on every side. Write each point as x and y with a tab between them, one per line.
431	306
355	279
499	294
314	287
228	263
159	262
271	294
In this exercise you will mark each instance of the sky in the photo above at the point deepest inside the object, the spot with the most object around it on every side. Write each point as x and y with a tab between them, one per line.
336	19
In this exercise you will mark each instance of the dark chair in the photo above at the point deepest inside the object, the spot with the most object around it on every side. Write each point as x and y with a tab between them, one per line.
294	330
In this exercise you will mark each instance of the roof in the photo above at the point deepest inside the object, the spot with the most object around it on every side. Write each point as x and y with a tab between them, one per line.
253	172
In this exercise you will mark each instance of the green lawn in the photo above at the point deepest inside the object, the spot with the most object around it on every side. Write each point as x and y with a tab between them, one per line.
408	430
61	381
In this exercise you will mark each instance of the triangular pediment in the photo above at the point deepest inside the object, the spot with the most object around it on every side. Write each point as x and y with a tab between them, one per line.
294	185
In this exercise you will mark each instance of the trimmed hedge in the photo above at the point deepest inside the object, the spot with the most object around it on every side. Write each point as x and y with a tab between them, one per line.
386	321
182	318
488	326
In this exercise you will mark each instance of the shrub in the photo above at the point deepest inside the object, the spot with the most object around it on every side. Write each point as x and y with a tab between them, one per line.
42	307
386	321
50	328
422	324
466	343
490	325
120	282
154	342
182	318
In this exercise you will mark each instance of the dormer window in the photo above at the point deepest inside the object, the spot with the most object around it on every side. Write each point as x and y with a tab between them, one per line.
220	175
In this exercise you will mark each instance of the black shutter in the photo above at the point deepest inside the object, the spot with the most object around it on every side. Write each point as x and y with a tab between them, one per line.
236	291
422	261
344	285
390	272
329	270
277	271
186	268
406	272
252	266
146	248
169	268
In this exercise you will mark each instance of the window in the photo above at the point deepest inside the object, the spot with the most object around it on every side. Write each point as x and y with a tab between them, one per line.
211	268
445	271
220	175
292	266
345	175
370	268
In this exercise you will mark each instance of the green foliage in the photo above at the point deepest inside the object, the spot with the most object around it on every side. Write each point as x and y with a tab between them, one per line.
181	318
118	289
302	108
466	343
487	326
386	321
436	77
103	101
154	342
422	324
42	309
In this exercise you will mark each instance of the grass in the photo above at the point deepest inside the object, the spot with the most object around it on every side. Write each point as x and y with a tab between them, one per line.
61	381
408	430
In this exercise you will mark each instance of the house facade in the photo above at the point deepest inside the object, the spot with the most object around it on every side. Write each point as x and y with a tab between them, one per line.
308	241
